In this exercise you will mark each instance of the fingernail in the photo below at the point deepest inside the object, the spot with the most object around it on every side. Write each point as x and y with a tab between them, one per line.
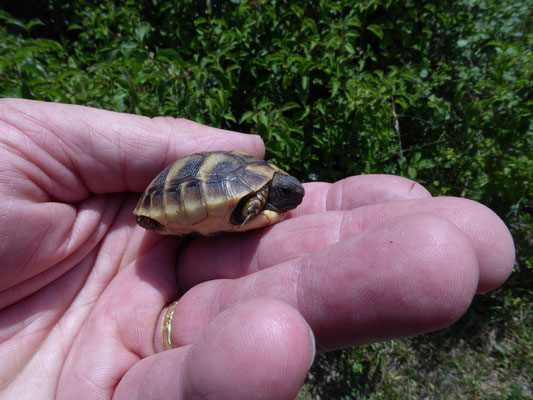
313	348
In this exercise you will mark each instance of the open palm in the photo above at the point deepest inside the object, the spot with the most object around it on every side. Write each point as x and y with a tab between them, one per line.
83	289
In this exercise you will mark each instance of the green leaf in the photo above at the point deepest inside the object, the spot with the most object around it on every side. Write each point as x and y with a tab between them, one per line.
494	43
263	118
171	56
49	44
305	82
211	104
200	21
426	164
431	8
376	30
353	23
247	116
141	30
336	85
73	27
229	116
32	23
11	20
264	104
349	48
289	106
411	172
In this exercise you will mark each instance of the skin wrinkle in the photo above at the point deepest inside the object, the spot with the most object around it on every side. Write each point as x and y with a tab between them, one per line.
340	198
337	230
29	138
70	167
346	227
50	273
129	347
195	142
288	244
7	332
167	154
93	273
243	258
24	176
56	316
470	220
214	139
335	196
84	307
292	292
61	147
484	236
137	345
123	167
29	260
121	143
19	110
212	142
66	240
90	241
143	156
98	375
367	190
141	255
106	253
69	233
259	250
96	174
192	141
169	128
37	249
3	217
297	293
52	172
87	148
296	248
302	301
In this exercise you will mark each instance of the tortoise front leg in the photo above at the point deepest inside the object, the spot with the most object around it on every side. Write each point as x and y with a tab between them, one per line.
252	206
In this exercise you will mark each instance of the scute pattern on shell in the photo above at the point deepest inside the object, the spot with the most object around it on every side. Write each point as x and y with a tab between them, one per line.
198	193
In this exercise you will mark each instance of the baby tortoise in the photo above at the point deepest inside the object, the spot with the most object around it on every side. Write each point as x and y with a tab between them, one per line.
220	191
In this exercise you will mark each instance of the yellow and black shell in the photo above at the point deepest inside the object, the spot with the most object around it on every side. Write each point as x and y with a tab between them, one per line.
201	193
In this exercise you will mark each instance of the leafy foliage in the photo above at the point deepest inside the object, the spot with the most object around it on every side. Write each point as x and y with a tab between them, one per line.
438	91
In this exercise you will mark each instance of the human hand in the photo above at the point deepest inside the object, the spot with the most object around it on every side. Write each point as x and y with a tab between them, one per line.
84	290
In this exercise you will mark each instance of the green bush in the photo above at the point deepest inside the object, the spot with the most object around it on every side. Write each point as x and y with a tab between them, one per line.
436	91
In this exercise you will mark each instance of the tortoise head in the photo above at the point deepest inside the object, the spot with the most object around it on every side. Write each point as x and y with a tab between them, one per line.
286	192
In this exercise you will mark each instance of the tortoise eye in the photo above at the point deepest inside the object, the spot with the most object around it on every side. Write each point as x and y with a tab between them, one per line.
285	191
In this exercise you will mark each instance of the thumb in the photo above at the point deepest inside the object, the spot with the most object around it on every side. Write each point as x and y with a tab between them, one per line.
80	150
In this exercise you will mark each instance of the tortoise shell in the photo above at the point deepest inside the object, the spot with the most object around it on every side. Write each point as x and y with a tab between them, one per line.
201	192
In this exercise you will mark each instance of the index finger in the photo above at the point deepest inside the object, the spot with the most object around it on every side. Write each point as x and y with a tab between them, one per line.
357	191
232	256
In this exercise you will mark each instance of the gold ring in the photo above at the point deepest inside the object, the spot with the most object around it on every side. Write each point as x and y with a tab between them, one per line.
166	337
